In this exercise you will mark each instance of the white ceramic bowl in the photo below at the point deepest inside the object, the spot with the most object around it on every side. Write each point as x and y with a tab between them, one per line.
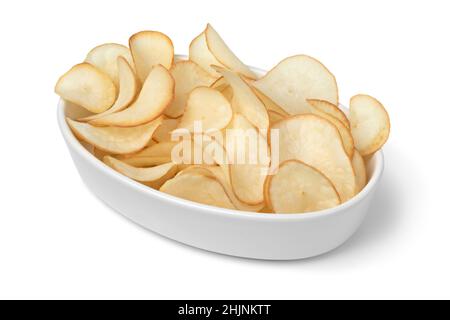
236	233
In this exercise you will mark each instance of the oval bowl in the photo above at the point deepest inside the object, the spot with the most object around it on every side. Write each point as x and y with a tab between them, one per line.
230	232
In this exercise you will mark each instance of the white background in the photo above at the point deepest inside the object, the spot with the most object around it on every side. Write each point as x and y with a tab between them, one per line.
58	241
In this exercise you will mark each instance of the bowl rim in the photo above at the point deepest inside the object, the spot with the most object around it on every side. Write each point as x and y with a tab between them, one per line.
74	144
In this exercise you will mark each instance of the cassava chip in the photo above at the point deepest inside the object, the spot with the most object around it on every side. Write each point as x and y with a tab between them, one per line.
198	188
104	57
245	100
331	109
88	87
296	79
149	49
269	104
370	124
345	133
207	107
155	96
128	89
188	76
163	133
249	160
299	188
224	55
222	176
115	140
360	171
316	142
200	54
153	177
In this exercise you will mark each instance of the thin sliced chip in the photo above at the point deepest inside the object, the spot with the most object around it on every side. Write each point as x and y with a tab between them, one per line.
200	54
88	87
224	55
331	109
114	139
344	132
163	133
269	104
296	79
360	171
162	149
223	177
300	188
245	100
188	76
155	96
198	188
317	142
128	89
208	107
247	175
104	58
149	49
154	176
370	124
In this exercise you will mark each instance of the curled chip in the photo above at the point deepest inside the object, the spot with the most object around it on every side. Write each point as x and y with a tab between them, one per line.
316	142
149	49
188	76
155	96
370	124
298	188
128	90
207	106
296	79
114	139
104	57
87	87
198	188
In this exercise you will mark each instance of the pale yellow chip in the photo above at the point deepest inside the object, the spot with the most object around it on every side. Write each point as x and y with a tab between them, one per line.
153	177
245	100
206	107
164	131
198	188
188	76
222	176
360	171
200	54
331	109
104	57
316	142
156	94
144	162
149	49
370	124
346	136
300	188
88	87
224	55
249	163
114	139
269	104
128	90
296	79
